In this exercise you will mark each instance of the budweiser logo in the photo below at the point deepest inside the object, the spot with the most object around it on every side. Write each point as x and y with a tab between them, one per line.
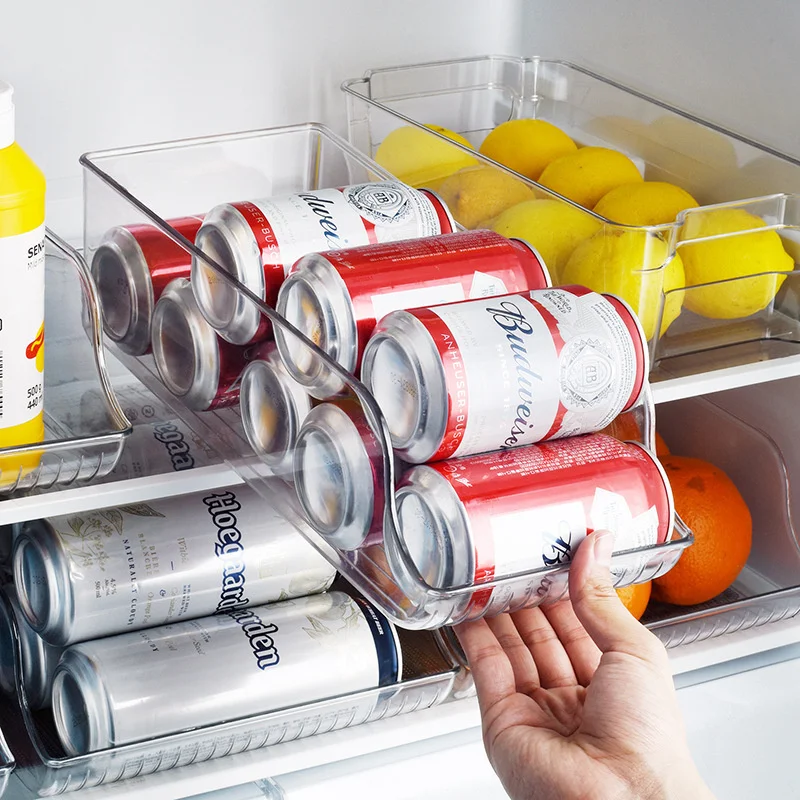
512	321
322	208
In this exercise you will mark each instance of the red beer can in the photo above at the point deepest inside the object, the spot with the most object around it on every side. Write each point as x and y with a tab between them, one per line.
339	474
472	520
337	298
257	241
501	372
131	267
194	363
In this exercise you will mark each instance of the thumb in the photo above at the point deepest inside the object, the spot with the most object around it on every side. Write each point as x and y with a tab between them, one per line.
598	606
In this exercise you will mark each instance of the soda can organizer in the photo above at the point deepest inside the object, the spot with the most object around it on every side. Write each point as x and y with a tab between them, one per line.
344	473
430	673
693	326
75	449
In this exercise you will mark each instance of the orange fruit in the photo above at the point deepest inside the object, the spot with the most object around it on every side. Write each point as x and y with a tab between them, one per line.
635	597
710	504
662	449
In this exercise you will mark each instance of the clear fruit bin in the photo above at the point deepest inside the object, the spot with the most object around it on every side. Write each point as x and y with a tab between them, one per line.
350	463
699	312
728	432
74	450
430	671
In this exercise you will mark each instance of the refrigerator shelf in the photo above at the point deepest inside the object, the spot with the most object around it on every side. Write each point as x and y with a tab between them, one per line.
154	183
76	449
431	669
722	170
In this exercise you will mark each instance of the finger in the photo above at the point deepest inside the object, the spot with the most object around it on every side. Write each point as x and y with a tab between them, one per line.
598	606
490	666
583	653
526	676
549	655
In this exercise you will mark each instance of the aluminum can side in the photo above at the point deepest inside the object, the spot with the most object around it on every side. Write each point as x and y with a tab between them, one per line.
134	686
490	374
137	566
469	520
336	298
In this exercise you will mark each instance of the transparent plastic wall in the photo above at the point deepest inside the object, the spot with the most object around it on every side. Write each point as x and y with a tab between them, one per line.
717	287
338	487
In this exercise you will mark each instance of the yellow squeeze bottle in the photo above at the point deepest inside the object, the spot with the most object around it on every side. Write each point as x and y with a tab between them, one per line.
22	193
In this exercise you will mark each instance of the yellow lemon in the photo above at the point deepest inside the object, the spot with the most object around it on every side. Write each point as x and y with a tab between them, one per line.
553	227
527	145
731	257
476	194
586	175
644	203
419	159
625	263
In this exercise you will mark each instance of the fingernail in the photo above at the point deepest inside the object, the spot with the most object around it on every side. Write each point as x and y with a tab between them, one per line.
603	547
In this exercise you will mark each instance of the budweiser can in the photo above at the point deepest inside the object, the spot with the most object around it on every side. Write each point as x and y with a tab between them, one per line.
258	241
193	362
502	372
339	474
132	267
138	566
273	407
336	298
249	661
470	520
39	659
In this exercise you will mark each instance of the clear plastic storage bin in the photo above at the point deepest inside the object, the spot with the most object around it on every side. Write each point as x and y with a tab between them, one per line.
429	674
694	325
152	184
75	449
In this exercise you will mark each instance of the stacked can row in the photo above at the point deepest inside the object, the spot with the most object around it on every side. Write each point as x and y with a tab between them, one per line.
144	620
475	361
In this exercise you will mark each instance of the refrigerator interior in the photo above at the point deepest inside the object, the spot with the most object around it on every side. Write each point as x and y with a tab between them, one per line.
102	77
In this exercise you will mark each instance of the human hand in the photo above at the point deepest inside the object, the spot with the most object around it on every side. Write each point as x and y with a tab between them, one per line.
577	698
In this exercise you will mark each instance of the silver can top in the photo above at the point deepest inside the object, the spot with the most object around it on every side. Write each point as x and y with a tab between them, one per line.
80	704
185	347
403	371
41	575
434	542
226	238
314	299
120	271
273	407
334	477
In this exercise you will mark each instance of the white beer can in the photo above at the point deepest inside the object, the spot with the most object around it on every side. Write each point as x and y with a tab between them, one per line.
245	662
39	659
495	373
119	569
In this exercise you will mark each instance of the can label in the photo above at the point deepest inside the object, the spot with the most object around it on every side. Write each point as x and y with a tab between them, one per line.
529	508
525	369
242	663
330	219
22	260
431	271
144	565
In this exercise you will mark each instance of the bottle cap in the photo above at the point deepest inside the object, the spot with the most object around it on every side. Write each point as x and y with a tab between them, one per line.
6	114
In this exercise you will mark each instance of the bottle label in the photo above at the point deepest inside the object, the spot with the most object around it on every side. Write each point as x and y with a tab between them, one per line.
21	327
